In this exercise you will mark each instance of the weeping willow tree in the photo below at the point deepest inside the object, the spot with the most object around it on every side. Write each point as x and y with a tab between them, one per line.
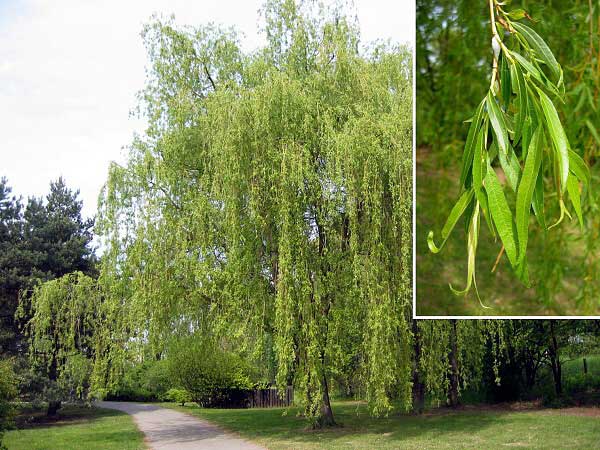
449	357
268	205
516	127
62	336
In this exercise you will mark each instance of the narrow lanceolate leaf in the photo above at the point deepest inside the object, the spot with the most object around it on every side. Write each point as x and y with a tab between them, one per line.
529	68
501	214
471	137
579	168
525	192
472	237
510	166
558	136
498	123
526	135
538	199
478	161
505	82
457	211
483	205
575	196
521	101
479	168
541	49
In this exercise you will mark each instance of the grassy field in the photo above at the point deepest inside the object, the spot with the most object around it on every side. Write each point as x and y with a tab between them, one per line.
562	259
574	428
76	428
575	366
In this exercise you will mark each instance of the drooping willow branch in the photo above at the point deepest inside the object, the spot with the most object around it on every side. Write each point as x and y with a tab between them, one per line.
516	127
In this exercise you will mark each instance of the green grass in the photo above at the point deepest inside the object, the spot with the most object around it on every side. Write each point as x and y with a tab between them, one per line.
76	428
449	430
575	366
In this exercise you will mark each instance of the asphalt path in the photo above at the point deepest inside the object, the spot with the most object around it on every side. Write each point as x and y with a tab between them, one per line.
167	429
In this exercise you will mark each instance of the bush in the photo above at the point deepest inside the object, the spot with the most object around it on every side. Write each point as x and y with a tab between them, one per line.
213	377
180	396
558	402
8	391
145	382
581	383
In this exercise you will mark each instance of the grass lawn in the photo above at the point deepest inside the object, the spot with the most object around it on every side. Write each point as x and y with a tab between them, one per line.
575	366
556	429
76	428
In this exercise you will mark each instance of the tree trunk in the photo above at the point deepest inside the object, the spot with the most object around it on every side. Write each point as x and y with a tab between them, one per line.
585	371
53	407
326	418
453	394
418	387
555	361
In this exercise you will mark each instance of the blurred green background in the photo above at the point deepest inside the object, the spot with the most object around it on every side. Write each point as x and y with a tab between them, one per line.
453	68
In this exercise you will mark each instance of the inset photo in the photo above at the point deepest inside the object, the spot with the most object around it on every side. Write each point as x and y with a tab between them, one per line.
507	142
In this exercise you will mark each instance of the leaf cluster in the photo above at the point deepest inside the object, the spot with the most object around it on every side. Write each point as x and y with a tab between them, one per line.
516	136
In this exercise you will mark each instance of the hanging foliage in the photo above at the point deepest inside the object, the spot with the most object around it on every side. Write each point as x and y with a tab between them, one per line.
62	335
516	126
451	356
269	205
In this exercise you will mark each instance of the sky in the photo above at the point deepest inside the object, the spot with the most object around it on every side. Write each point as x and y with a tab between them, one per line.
70	71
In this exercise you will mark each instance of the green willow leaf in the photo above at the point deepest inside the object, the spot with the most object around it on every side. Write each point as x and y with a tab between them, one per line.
505	80
498	123
575	196
521	101
558	136
526	135
501	214
579	168
539	46
510	166
472	238
493	152
478	161
522	271
457	211
525	192
483	205
468	151
538	199
529	68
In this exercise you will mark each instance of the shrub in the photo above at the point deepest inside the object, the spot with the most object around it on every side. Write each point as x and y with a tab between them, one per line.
180	396
212	376
8	391
581	383
145	382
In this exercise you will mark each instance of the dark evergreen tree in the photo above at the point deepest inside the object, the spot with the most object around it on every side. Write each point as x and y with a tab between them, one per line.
45	240
56	236
11	265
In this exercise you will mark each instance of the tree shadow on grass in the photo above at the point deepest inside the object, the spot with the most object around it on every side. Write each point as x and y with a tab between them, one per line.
285	424
28	417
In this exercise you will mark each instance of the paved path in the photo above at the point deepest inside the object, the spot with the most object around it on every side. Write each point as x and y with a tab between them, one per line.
167	429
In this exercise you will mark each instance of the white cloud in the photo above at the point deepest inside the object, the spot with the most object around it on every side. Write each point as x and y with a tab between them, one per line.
69	71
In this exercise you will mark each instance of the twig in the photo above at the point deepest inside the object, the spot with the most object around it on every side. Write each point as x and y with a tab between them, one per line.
498	259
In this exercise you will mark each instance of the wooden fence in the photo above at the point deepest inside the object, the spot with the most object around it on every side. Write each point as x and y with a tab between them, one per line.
269	398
